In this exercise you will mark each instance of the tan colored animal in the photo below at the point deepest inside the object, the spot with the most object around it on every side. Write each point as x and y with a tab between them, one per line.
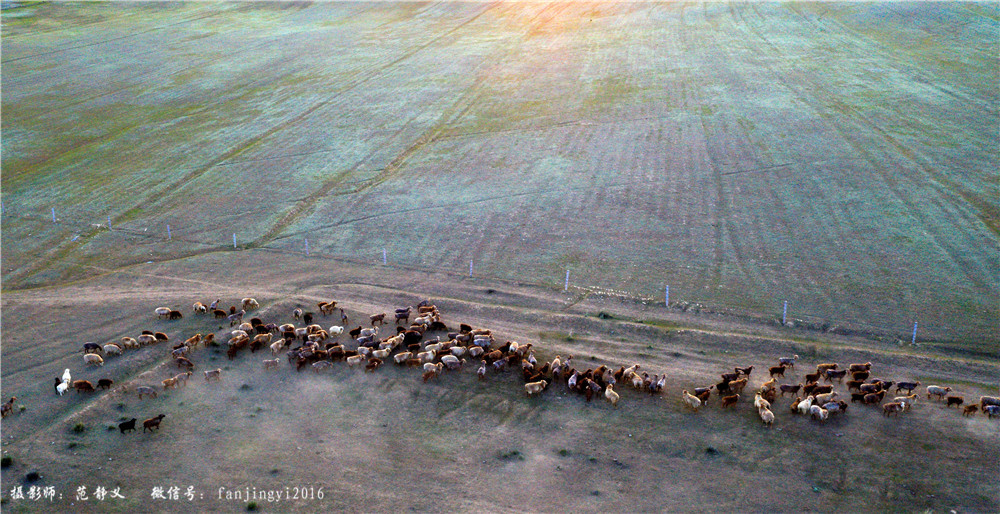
213	374
93	358
690	400
533	388
610	394
766	416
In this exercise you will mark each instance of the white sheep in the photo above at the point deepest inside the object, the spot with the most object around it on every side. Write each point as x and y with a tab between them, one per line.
277	346
452	362
806	404
426	357
355	360
788	361
162	312
250	304
112	349
817	412
129	343
62	387
93	358
66	376
146	339
401	357
336	330
938	391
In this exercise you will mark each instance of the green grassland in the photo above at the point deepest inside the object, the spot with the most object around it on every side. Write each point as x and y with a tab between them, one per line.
840	156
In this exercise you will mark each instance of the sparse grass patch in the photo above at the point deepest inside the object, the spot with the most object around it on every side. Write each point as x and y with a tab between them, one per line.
79	428
510	455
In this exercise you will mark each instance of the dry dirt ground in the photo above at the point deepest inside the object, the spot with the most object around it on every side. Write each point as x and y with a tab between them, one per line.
385	441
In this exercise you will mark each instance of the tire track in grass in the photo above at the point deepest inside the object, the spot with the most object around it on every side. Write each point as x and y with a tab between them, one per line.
61	253
195	43
127	36
990	218
824	301
451	114
306	205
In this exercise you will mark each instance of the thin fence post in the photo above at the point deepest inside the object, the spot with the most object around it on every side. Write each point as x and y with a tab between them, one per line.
566	287
666	297
913	340
109	222
384	262
53	215
470	268
234	239
784	312
168	232
307	246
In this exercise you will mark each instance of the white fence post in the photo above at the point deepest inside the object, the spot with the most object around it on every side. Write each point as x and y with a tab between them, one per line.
307	246
470	268
566	287
234	239
666	296
384	262
168	232
784	312
53	215
109	222
913	340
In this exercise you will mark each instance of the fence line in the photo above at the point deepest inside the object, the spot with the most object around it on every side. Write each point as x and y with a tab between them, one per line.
813	321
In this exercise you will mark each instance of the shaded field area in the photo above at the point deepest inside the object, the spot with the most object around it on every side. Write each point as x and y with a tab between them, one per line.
388	441
837	156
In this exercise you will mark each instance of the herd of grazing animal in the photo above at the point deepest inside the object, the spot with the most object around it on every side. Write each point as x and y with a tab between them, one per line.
820	401
318	348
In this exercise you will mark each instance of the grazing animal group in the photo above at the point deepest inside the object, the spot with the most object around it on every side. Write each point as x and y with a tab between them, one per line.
411	345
